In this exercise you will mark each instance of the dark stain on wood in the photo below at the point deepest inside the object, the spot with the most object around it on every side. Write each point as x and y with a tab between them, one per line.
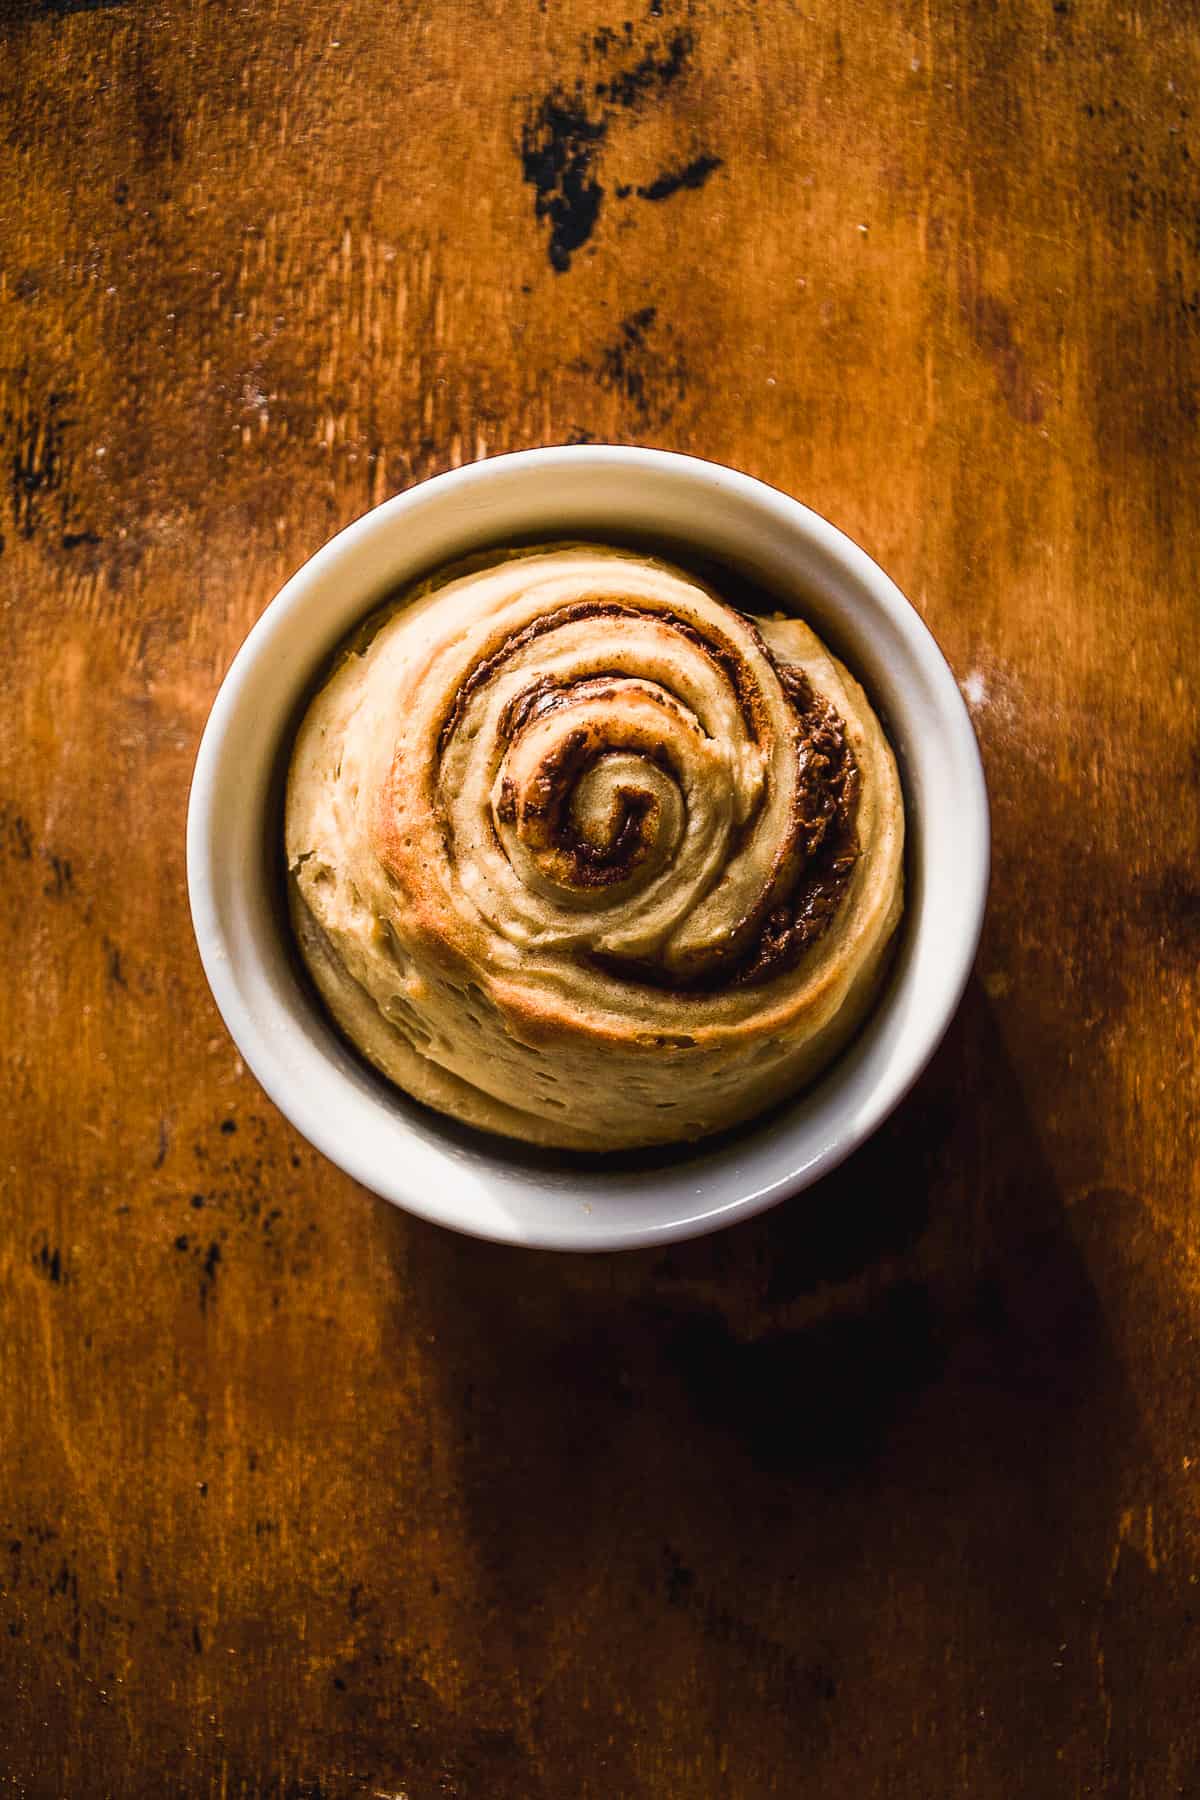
643	363
654	71
35	459
59	9
47	1260
673	181
558	148
562	137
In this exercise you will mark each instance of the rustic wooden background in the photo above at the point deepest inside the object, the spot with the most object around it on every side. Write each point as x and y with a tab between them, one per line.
895	1492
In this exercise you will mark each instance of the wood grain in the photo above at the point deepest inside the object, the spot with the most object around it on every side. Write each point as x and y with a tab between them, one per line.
894	1492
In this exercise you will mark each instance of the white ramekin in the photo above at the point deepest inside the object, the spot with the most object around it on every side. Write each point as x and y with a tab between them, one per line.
484	1185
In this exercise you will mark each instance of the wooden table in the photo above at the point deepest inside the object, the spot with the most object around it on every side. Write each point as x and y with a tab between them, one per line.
894	1492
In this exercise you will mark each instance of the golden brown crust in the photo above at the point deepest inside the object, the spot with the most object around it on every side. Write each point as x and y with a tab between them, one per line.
582	855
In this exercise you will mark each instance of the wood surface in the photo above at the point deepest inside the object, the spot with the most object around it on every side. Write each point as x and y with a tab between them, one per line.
894	1492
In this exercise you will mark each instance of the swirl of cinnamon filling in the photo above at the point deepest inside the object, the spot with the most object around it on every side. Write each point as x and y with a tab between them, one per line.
583	855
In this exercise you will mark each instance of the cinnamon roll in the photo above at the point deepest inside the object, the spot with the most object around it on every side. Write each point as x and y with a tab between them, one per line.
581	854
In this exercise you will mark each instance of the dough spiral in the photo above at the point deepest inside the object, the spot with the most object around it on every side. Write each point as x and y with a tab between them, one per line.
582	855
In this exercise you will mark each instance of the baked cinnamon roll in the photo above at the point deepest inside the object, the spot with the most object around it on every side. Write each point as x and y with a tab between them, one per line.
580	854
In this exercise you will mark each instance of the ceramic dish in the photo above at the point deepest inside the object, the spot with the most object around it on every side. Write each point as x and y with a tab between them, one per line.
691	511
